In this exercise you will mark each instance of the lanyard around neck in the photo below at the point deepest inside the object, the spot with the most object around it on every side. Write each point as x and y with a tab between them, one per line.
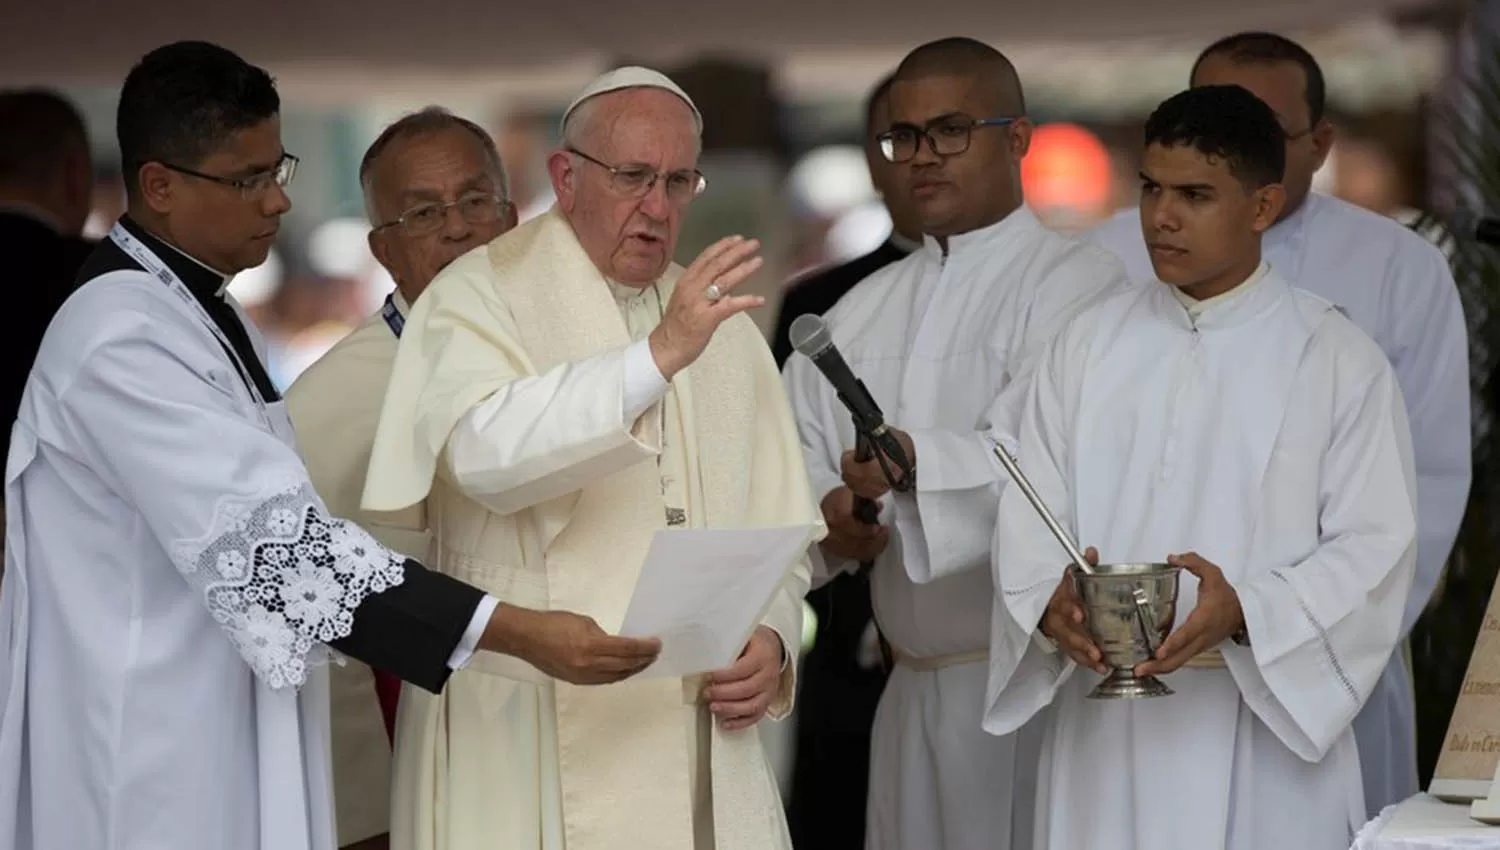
162	272
393	318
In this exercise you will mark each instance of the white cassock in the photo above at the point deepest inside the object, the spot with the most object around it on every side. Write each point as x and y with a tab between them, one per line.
526	418
1398	288
936	338
334	406
1268	435
170	578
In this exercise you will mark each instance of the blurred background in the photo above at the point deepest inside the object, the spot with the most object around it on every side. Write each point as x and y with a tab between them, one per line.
781	85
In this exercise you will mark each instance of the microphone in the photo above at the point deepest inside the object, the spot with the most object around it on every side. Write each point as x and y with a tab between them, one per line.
809	335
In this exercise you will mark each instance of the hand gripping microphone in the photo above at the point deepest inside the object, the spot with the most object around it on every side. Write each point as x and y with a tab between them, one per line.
809	335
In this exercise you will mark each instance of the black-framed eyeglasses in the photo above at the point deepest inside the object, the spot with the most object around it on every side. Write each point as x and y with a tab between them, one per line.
635	180
1292	137
948	135
424	219
255	185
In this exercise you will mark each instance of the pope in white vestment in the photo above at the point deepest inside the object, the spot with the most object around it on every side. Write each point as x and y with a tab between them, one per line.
526	417
1397	287
506	757
936	337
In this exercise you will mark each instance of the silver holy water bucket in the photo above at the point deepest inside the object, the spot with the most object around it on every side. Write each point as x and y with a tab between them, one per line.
1130	607
1127	630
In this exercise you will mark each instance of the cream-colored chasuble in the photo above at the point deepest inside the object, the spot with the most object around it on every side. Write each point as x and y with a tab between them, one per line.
555	508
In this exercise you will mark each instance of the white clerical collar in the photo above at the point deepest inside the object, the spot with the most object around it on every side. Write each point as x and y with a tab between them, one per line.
33	212
1196	308
1019	220
223	278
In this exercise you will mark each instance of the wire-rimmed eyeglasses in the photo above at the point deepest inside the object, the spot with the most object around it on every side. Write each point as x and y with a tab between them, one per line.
634	180
253	186
474	208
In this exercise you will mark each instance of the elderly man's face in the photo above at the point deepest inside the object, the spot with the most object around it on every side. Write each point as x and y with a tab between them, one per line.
628	231
412	182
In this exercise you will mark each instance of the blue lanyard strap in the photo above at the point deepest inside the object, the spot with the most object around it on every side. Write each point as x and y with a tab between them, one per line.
393	318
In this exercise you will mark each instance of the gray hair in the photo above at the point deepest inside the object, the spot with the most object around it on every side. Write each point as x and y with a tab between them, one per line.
576	128
431	119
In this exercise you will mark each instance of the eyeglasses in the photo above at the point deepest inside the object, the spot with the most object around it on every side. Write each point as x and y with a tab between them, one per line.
254	186
474	208
634	181
947	136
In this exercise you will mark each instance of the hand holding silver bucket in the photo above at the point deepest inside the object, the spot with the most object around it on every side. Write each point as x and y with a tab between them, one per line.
1130	608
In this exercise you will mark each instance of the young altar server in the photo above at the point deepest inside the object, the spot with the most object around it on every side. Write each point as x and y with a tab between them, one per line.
1397	287
1248	432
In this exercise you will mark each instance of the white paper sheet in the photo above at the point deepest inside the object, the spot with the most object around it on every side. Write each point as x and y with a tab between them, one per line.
703	590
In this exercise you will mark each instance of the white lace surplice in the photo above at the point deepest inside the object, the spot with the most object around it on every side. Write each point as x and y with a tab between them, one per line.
283	577
170	578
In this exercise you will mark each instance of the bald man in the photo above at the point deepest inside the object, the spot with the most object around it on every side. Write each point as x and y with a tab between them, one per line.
942	338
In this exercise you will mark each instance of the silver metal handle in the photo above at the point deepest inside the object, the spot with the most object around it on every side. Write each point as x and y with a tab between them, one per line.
1036	502
1148	621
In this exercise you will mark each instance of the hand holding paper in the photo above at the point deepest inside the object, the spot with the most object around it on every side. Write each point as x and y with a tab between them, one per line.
740	695
703	592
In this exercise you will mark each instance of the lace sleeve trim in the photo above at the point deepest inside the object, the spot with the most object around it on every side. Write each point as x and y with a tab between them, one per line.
283	578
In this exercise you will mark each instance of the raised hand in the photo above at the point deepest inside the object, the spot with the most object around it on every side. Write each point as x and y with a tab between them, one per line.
702	301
